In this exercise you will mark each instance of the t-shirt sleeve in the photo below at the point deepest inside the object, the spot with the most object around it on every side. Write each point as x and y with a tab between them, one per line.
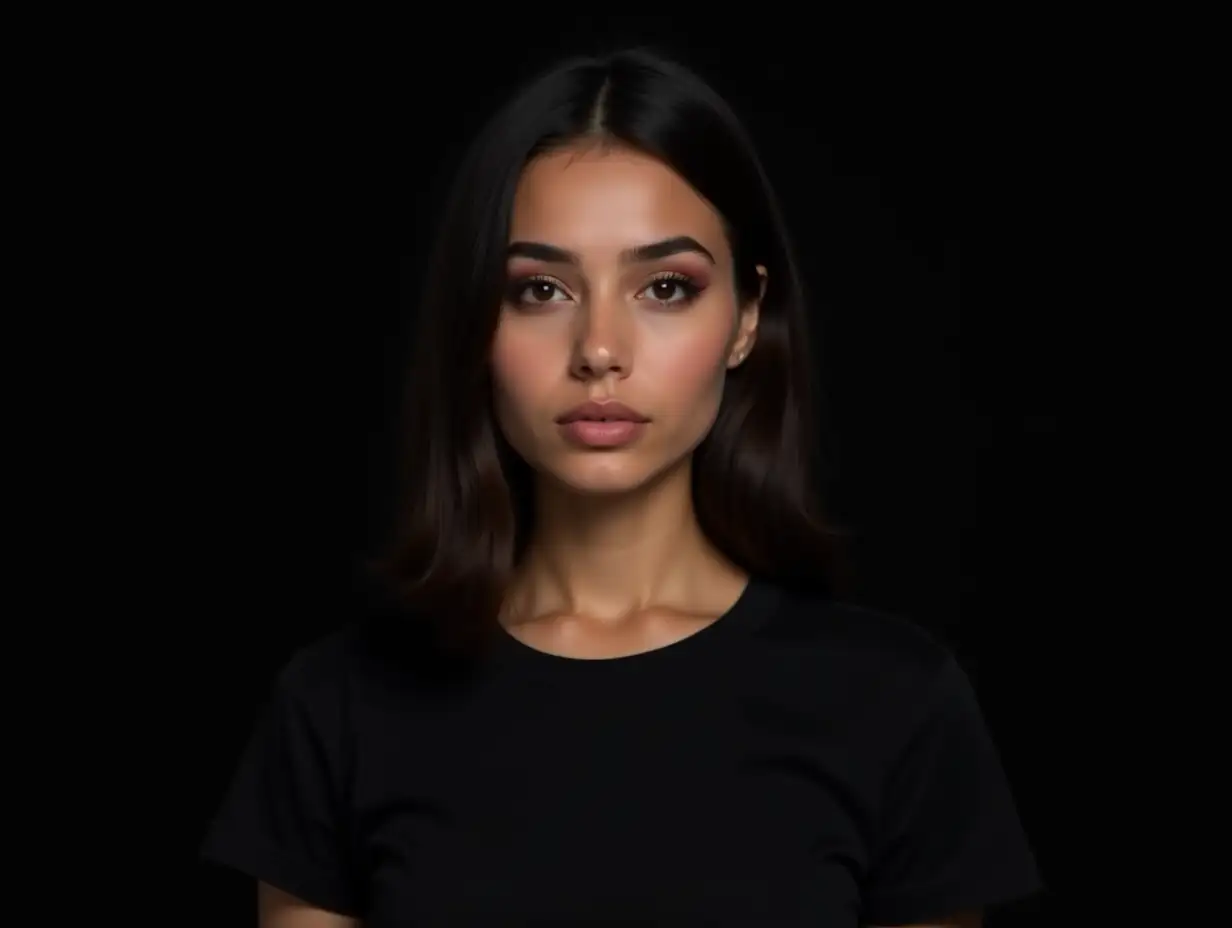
948	838
283	819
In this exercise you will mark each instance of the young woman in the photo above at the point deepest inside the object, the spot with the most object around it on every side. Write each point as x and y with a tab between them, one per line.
615	684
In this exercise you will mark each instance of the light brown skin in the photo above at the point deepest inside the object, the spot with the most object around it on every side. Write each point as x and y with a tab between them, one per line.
619	564
277	909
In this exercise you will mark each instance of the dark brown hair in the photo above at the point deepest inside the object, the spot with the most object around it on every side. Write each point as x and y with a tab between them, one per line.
465	508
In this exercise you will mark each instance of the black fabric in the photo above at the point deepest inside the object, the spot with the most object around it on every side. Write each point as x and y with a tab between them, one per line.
798	762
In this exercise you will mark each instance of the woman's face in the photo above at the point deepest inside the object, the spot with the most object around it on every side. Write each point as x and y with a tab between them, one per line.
620	289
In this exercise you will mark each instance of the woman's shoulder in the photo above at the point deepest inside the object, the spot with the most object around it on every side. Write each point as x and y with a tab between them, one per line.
892	678
320	664
371	653
885	641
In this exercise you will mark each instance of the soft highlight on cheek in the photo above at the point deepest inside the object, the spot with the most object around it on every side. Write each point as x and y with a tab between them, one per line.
524	383
516	366
688	371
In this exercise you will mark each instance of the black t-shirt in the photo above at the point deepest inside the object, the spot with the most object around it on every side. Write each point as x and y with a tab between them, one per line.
797	762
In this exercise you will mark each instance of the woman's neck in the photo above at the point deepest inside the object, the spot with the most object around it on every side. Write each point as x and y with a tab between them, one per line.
612	556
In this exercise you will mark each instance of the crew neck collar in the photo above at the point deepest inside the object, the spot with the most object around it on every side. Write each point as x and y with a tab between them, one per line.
754	604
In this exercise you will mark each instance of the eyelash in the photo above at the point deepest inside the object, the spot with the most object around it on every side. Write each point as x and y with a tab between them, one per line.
689	290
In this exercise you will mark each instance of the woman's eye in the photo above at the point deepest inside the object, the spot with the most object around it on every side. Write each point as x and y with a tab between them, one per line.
540	291
668	290
535	292
671	290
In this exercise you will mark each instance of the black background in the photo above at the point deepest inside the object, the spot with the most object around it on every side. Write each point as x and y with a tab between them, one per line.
913	179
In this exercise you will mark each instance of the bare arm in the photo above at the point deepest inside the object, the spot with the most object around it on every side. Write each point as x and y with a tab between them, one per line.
278	909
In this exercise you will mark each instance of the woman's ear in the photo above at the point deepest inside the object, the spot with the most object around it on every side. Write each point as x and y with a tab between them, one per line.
746	330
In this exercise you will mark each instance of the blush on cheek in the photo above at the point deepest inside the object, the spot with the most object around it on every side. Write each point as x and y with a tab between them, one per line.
521	385
514	361
702	352
687	376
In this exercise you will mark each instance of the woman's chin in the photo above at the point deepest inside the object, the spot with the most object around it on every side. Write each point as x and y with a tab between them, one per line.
614	475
